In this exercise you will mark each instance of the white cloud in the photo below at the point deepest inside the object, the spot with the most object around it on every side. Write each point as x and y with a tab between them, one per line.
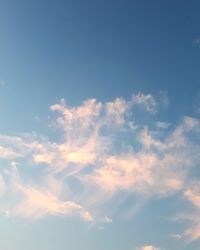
102	151
162	125
149	247
8	153
176	236
147	102
192	194
37	203
34	202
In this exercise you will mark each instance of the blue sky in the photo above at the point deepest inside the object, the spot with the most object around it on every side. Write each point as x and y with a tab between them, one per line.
99	131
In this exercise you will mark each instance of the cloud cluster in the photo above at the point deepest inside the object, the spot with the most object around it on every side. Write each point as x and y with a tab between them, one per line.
104	150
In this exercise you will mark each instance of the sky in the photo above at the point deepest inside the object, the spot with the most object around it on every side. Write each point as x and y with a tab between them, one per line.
100	125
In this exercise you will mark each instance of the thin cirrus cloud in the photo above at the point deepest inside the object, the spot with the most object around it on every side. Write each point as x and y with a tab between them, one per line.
103	149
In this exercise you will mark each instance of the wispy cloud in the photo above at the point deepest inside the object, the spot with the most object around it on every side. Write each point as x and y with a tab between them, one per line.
197	41
146	101
176	236
148	248
99	155
192	194
2	83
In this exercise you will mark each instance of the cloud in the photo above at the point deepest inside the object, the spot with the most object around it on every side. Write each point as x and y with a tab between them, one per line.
164	99
151	169
8	153
149	247
2	83
37	203
2	185
196	41
147	102
162	125
192	194
176	236
34	202
105	153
